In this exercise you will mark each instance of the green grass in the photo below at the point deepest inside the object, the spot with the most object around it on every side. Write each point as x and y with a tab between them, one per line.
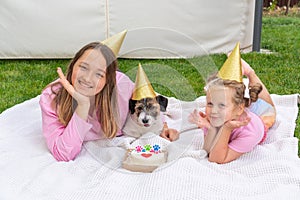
24	79
181	78
281	70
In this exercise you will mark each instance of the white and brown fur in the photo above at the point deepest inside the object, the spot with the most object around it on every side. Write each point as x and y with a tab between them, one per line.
145	116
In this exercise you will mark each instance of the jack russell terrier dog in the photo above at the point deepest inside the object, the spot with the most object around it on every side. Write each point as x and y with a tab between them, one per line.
145	116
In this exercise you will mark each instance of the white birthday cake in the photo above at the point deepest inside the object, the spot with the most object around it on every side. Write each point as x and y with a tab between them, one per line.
144	158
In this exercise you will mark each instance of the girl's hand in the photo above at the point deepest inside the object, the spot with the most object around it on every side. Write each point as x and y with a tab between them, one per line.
233	124
169	133
81	99
199	119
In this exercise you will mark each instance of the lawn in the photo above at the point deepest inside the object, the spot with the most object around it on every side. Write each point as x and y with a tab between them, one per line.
183	78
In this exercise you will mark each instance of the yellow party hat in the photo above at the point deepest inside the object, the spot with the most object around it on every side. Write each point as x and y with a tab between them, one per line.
143	87
115	42
232	68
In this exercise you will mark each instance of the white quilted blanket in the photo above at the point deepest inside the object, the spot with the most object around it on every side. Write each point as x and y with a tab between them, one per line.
28	170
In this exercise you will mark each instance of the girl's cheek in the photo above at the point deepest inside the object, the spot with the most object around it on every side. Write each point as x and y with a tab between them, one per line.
229	116
100	86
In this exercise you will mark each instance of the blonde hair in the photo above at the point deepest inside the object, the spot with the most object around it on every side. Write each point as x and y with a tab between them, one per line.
106	103
239	88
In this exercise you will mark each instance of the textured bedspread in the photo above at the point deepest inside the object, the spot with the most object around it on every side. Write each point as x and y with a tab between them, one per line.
28	170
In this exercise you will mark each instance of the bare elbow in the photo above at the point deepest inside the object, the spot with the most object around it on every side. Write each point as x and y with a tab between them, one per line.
218	161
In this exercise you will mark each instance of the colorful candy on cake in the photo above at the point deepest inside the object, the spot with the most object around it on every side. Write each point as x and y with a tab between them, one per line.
144	158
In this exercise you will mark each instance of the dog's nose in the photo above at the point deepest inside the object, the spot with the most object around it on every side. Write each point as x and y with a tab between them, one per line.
145	121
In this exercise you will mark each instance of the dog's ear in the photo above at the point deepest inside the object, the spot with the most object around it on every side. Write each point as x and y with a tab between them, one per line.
132	105
163	102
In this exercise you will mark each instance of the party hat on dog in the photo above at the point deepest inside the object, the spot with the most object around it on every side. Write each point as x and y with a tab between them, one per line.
143	87
115	42
232	68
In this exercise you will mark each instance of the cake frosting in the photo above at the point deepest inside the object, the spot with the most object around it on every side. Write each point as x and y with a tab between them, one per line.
144	158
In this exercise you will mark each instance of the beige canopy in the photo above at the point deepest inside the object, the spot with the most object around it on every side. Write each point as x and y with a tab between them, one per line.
156	28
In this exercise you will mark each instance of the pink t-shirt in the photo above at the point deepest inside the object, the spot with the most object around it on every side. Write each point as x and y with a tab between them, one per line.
65	142
245	138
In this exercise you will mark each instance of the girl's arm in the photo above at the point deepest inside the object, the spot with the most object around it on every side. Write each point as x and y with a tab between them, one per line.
210	139
64	142
220	151
210	133
83	102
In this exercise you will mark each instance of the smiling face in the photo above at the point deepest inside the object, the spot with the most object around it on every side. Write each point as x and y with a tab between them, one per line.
220	106
89	73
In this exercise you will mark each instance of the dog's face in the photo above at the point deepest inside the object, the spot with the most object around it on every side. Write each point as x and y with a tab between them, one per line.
146	111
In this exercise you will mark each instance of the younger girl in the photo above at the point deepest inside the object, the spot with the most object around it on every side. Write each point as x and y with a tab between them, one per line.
230	127
90	103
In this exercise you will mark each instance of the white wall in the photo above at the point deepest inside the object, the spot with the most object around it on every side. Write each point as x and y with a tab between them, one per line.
156	28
